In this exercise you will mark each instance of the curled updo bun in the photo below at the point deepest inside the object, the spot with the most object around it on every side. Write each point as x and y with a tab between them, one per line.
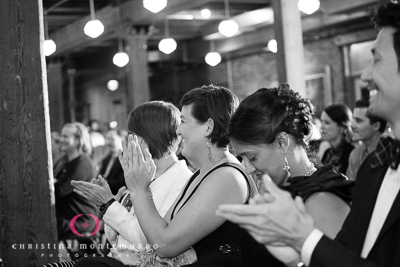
261	116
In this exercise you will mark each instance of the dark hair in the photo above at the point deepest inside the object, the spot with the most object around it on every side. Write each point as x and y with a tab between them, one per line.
264	114
215	102
364	103
82	133
389	16
341	114
156	122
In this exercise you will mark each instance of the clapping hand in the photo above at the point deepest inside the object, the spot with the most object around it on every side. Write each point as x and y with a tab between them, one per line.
138	165
272	218
97	191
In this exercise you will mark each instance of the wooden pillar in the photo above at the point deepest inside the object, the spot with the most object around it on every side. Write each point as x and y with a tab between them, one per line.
138	81
348	96
289	36
27	214
56	100
71	95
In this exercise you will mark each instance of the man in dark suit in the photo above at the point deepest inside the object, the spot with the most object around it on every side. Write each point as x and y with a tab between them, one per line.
370	236
110	168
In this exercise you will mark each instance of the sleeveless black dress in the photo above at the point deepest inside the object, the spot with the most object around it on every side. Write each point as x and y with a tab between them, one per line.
229	245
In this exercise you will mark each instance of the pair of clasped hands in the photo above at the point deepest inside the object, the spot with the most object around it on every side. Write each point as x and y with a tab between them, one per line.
139	170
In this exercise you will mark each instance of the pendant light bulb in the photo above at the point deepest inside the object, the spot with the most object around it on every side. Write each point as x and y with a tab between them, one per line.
167	45
272	46
213	58
112	85
49	47
121	59
205	13
94	28
308	6
228	27
154	6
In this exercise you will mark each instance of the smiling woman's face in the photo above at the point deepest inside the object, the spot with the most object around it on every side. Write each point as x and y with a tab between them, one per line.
262	159
68	140
193	134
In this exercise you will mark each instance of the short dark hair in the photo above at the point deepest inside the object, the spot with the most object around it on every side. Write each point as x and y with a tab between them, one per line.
341	114
364	103
388	15
215	102
156	122
264	114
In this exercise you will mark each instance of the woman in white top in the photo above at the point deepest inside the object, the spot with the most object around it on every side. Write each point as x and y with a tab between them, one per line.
155	123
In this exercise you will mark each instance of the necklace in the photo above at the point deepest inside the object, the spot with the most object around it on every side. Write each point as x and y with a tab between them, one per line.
311	170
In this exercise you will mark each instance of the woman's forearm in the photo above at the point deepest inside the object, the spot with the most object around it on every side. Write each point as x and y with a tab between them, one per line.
152	224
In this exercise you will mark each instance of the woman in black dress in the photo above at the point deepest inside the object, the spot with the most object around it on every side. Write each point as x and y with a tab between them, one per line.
270	130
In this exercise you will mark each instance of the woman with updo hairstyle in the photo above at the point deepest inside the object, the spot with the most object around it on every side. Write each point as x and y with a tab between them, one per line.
269	130
336	129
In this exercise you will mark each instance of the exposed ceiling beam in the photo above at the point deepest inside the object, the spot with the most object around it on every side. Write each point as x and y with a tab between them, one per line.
358	37
345	6
72	38
198	48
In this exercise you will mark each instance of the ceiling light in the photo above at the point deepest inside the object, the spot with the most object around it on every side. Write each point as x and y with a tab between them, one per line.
154	6
168	44
49	47
205	13
308	6
113	124
213	58
272	46
228	27
112	85
121	59
94	28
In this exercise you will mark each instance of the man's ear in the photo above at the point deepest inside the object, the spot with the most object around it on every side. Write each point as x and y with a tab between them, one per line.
283	141
376	125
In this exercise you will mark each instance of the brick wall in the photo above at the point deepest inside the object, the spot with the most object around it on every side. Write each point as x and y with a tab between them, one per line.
253	71
317	54
249	73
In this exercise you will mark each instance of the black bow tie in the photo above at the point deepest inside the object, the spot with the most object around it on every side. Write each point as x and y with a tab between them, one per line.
387	153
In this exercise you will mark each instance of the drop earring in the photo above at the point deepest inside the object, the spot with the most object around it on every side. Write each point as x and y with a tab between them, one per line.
286	166
208	148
